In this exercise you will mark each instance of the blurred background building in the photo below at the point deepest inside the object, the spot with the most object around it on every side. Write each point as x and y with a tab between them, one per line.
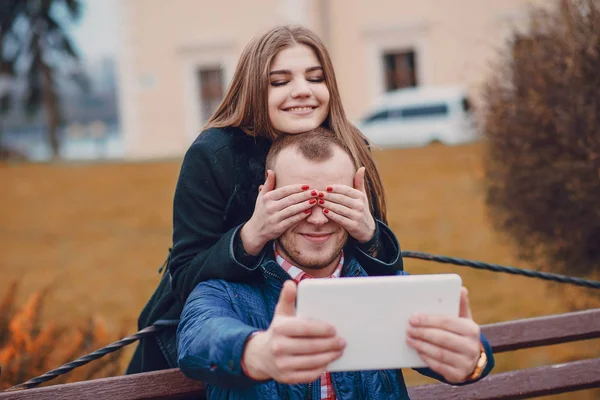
158	72
175	62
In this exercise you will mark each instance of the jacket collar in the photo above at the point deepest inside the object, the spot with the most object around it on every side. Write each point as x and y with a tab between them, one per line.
272	271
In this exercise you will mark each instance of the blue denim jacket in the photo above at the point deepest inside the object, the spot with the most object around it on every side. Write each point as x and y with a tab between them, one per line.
219	316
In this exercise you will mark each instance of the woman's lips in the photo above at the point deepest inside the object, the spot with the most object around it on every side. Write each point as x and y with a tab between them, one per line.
300	110
316	238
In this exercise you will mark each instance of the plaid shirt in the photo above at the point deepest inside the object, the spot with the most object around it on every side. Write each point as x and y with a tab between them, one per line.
327	392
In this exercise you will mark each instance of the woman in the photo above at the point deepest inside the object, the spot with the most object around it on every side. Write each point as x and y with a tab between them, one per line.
225	211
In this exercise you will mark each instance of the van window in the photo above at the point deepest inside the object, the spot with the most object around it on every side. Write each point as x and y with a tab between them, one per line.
378	116
434	110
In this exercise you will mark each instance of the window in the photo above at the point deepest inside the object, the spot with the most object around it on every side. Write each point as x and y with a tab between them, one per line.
400	70
378	116
210	88
466	105
433	110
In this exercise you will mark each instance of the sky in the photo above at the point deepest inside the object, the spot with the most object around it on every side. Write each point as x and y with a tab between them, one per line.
96	33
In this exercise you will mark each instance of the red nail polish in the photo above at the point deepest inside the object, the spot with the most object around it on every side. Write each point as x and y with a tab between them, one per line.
321	194
325	210
312	201
305	187
329	188
313	193
321	201
307	211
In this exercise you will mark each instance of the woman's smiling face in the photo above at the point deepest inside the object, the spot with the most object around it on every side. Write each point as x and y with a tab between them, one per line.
298	98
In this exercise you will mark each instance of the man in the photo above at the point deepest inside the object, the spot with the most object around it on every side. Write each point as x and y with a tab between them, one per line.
245	341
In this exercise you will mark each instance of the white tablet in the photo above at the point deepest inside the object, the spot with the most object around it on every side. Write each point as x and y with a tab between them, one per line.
372	313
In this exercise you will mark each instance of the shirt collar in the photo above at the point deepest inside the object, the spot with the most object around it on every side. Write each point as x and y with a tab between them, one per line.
298	274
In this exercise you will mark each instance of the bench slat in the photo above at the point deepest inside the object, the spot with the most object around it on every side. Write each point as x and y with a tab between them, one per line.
505	336
543	331
156	385
519	384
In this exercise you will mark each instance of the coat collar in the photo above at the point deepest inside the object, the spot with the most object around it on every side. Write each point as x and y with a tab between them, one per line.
273	272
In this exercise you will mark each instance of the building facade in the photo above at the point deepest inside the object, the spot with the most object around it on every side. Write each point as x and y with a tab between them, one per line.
177	57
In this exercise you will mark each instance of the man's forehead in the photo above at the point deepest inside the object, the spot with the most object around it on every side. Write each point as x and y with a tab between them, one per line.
291	167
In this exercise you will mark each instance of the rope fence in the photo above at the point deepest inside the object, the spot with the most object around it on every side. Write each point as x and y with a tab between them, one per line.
501	268
34	382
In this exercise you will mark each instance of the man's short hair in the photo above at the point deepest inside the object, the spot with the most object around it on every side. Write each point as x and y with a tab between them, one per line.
314	145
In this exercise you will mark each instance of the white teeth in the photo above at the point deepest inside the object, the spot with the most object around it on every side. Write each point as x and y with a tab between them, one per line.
299	109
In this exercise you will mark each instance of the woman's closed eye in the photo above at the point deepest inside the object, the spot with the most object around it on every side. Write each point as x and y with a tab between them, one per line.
279	83
311	80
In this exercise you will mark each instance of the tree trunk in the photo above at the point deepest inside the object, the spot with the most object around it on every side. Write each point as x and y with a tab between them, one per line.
51	108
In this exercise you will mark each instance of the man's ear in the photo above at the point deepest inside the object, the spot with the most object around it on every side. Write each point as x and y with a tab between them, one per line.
359	180
269	182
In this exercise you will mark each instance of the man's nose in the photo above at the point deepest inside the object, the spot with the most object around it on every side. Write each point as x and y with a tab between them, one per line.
317	217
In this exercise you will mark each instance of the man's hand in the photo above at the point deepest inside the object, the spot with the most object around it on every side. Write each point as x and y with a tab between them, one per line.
450	346
293	350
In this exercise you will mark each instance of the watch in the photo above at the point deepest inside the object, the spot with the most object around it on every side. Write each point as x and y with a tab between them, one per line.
480	366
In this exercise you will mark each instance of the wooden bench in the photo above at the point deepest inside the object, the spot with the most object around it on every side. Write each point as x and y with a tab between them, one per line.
505	336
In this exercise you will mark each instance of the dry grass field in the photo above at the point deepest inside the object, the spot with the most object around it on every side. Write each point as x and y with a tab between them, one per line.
95	234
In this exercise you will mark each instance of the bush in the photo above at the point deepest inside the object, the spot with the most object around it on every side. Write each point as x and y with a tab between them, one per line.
542	124
29	347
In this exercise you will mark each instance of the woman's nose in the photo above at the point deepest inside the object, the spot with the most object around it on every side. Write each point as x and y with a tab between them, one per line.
300	88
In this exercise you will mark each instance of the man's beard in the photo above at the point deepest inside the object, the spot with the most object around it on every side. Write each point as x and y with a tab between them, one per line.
292	253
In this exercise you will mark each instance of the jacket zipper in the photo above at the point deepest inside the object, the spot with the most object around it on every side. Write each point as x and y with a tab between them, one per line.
279	278
333	384
309	395
386	381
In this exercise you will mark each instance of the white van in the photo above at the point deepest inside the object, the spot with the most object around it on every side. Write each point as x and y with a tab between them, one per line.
419	116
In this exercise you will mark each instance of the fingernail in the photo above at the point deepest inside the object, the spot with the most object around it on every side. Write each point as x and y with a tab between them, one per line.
326	211
313	193
329	188
307	211
312	201
414	320
305	187
321	201
321	194
342	342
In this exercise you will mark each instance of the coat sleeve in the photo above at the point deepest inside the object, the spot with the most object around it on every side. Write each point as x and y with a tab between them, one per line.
203	241
388	259
211	338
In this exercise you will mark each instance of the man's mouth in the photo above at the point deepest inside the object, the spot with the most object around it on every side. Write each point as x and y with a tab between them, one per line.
316	237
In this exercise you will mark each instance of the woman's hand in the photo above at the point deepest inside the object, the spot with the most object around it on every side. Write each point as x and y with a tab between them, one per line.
349	207
275	211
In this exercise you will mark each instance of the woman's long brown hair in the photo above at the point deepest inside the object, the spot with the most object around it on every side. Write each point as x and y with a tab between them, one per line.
245	103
